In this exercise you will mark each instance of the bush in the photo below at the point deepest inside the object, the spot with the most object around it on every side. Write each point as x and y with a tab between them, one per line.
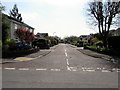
5	47
114	42
42	43
99	44
0	43
11	44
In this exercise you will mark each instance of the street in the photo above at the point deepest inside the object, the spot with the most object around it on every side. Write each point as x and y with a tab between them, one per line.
63	67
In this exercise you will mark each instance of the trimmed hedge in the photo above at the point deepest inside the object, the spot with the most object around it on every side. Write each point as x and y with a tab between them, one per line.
18	53
114	42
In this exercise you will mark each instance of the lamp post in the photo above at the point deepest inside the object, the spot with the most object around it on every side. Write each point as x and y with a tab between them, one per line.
54	33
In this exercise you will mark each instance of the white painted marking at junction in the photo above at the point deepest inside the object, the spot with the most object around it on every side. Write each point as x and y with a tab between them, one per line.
68	68
90	70
98	68
55	69
23	69
10	68
67	62
73	68
65	54
104	68
65	50
105	71
114	69
41	69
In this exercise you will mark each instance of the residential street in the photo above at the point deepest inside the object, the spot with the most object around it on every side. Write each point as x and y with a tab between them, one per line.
63	67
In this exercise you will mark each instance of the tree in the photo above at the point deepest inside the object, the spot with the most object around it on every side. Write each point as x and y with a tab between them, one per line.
24	35
104	14
5	28
14	13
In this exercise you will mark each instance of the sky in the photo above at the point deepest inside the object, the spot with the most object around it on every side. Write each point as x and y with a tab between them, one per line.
60	18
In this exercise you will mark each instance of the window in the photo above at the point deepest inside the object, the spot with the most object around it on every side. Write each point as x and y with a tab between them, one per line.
31	30
16	26
27	28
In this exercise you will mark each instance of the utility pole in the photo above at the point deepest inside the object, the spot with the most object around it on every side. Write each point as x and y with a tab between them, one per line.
1	9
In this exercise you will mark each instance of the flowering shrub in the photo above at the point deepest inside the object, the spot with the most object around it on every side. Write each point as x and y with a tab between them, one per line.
24	35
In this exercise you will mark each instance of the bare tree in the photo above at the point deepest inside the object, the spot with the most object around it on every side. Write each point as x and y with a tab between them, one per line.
103	13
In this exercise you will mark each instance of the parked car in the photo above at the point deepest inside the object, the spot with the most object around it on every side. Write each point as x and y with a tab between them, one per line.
22	45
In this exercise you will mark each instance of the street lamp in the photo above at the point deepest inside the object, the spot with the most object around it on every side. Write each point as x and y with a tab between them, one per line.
54	33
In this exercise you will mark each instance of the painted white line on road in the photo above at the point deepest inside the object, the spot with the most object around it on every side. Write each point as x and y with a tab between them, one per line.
65	50
42	69
23	69
67	62
65	54
106	71
90	70
99	68
73	68
9	68
55	69
68	68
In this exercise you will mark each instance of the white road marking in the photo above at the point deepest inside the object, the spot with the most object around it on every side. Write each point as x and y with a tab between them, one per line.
65	54
99	68
65	50
67	62
68	68
105	71
92	70
10	68
73	68
23	69
41	69
55	69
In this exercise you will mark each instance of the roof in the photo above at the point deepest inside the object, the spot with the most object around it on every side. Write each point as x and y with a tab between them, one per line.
117	31
11	18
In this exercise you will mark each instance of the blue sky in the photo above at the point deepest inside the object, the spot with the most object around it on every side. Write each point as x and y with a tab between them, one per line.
56	17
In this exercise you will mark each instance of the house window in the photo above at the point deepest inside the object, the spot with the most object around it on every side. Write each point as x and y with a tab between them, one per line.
16	26
26	28
31	30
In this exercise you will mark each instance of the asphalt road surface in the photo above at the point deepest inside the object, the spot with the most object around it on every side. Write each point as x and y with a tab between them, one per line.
64	67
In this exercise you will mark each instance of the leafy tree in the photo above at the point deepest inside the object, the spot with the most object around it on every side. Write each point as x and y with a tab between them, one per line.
5	28
103	15
24	35
14	13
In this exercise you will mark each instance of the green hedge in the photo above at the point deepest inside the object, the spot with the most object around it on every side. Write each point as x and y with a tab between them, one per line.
114	42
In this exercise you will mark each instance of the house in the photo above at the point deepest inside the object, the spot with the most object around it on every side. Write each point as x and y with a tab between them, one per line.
41	35
15	24
115	32
85	37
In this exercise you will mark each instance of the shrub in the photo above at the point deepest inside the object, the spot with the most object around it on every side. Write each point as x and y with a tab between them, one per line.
11	44
5	47
114	42
0	43
99	44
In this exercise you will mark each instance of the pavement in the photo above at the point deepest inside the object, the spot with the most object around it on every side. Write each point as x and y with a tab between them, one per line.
29	57
97	55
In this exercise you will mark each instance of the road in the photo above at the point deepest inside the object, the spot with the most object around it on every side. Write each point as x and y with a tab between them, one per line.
64	67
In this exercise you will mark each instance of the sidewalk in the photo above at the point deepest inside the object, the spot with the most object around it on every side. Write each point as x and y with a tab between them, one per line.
29	57
97	55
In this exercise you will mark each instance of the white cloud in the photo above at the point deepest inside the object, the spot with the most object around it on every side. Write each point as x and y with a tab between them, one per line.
61	16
